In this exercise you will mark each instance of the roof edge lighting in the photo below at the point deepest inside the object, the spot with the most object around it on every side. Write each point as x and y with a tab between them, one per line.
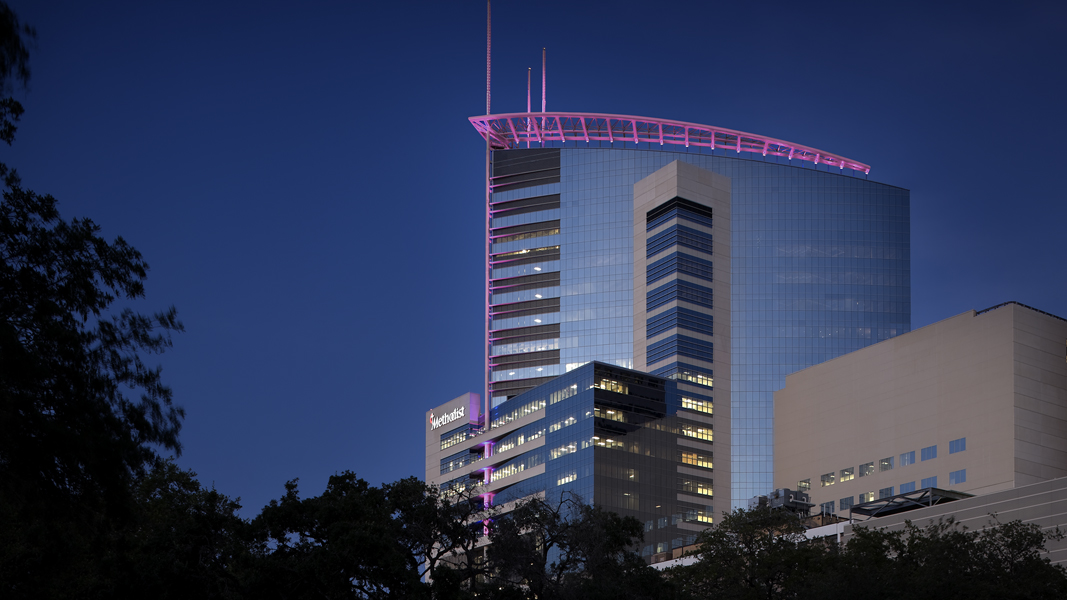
512	130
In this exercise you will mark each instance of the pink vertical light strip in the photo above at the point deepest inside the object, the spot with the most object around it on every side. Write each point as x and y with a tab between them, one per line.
488	214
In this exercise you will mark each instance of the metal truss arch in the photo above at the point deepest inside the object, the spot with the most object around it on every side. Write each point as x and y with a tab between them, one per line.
543	129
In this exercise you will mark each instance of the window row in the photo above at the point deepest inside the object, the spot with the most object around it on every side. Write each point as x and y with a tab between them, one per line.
678	262
681	345
885	464
514	439
698	515
678	235
696	459
695	486
704	406
517	413
696	431
954	478
460	459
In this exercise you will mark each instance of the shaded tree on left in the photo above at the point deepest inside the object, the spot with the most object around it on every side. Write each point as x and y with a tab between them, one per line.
361	541
81	414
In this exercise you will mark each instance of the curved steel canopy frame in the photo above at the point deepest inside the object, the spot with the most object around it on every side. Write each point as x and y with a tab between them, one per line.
511	130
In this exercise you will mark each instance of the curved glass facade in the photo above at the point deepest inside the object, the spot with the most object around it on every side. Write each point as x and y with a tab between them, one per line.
820	266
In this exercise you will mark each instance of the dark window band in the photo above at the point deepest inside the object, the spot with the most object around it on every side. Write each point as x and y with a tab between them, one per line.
528	228
679	202
679	235
524	334
682	318
524	257
523	360
522	309
682	291
681	345
525	282
525	205
516	169
678	262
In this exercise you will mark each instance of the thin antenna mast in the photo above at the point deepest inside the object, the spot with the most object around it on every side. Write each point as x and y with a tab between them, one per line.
542	80
488	55
528	69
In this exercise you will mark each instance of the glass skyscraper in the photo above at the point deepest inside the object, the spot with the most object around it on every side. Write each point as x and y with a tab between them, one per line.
819	258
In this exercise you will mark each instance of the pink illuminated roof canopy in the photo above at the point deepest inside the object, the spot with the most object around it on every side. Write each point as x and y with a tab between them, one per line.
511	131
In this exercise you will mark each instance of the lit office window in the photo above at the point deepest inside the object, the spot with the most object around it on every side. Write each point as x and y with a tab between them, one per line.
609	414
928	453
695	431
866	469
957	477
696	459
694	486
957	445
804	485
866	497
615	386
886	464
698	405
827	479
848	474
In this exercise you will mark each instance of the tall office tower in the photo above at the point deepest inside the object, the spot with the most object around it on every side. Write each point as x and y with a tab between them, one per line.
636	444
819	263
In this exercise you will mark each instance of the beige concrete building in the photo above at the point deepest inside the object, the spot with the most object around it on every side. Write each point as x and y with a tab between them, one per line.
976	403
1043	503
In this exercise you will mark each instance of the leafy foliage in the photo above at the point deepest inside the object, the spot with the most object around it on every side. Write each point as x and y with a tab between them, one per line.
182	542
570	549
14	65
72	436
360	541
764	554
946	560
760	553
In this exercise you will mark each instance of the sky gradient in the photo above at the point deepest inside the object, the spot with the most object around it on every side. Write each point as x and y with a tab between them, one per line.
305	185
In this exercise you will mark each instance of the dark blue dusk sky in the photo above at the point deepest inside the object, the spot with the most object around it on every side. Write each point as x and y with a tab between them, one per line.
305	184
